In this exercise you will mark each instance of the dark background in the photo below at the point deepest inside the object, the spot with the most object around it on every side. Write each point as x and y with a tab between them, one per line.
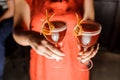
108	14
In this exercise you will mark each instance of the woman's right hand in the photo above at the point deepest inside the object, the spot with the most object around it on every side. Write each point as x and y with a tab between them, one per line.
44	48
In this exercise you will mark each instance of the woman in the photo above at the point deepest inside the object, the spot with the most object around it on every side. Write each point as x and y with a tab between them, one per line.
31	13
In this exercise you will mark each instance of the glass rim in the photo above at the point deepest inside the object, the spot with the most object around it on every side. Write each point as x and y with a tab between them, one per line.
59	29
93	32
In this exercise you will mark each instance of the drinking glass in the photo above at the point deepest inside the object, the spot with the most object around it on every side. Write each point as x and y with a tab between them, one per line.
54	32
87	33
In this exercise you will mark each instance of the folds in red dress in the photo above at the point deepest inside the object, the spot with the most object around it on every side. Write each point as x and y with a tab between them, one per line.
41	68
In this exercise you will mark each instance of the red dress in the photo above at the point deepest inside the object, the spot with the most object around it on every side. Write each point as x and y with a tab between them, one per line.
41	68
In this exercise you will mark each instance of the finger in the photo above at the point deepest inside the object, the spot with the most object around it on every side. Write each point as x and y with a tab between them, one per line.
96	50
45	55
56	57
80	53
79	47
40	52
46	52
56	51
92	55
50	50
53	49
88	53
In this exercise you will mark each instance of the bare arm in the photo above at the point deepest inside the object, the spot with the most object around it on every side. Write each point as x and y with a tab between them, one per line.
22	14
89	10
21	31
10	11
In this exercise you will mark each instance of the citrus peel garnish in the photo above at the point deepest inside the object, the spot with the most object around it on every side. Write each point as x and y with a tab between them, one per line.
78	28
47	26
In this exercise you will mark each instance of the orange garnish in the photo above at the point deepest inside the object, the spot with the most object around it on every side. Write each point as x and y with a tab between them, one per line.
78	28
47	26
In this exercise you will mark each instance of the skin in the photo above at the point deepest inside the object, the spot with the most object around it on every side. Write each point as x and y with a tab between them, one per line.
10	11
25	37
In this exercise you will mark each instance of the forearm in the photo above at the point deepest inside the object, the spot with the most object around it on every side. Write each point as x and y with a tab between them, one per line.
21	32
89	10
25	37
21	37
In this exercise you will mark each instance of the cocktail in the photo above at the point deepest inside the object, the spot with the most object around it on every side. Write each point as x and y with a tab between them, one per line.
87	33
54	32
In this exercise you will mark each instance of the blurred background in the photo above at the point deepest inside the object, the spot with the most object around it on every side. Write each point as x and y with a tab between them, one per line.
106	62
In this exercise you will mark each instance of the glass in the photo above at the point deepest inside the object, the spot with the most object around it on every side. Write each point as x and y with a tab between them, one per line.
87	33
54	32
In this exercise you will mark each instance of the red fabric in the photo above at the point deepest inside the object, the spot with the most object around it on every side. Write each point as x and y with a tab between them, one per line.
42	69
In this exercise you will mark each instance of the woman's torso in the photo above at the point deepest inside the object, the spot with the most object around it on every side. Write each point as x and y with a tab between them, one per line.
40	66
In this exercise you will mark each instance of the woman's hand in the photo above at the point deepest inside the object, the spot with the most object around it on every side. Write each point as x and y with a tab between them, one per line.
90	53
44	48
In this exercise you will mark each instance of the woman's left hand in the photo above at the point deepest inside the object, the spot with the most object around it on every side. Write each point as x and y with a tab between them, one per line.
90	53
